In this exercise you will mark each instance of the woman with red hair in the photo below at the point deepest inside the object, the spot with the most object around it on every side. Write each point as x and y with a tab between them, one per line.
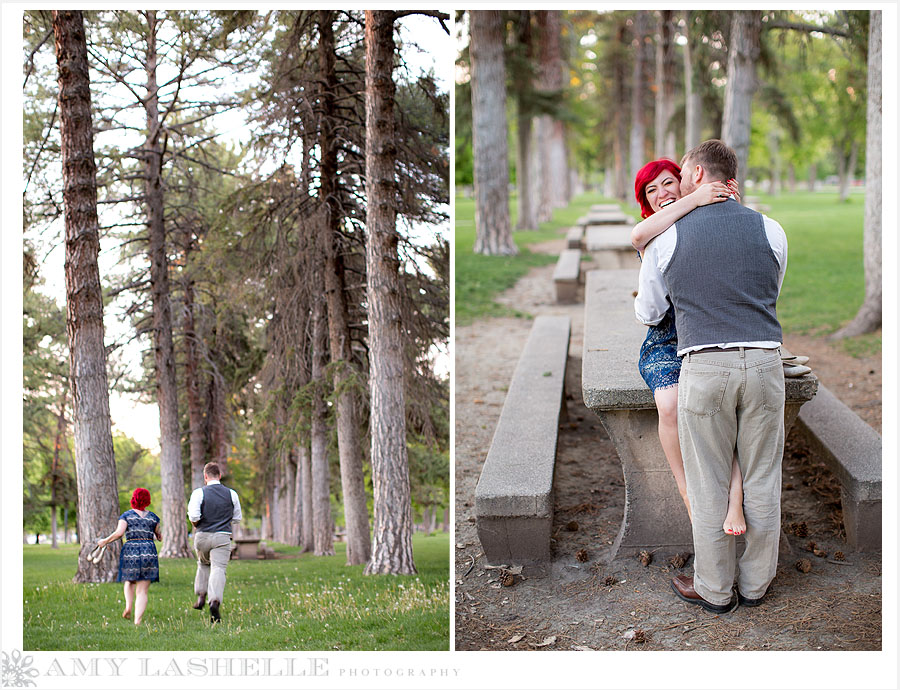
138	561
657	188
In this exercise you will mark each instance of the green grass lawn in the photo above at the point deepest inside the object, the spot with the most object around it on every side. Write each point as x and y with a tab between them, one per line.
480	278
823	288
296	603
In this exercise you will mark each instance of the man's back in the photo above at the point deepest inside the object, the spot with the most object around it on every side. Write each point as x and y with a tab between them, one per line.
724	277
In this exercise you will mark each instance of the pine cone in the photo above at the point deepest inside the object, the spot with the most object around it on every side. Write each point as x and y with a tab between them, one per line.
803	565
507	579
572	526
609	581
640	636
838	555
581	556
646	558
811	546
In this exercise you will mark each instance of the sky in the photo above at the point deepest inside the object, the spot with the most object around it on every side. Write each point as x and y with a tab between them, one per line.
425	46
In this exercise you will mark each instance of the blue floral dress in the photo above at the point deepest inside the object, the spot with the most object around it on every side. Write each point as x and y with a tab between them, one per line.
138	559
659	362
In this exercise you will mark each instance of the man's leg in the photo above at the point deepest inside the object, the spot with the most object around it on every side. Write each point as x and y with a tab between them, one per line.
760	447
708	390
219	555
201	580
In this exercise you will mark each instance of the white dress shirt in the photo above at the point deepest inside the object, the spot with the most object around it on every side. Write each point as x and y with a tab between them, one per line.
196	501
652	301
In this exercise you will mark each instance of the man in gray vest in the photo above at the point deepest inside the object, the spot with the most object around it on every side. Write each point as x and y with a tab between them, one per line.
722	267
211	509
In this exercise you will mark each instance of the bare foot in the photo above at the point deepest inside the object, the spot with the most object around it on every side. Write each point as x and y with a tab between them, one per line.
127	612
734	519
137	621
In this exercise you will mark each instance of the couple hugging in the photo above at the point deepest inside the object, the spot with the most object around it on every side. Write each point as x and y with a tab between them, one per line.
710	275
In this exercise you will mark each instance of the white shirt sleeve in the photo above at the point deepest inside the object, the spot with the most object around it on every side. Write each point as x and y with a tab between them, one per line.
652	301
778	241
236	502
194	505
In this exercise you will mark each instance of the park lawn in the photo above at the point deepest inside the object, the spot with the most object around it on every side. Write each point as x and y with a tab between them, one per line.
479	279
290	603
823	288
825	284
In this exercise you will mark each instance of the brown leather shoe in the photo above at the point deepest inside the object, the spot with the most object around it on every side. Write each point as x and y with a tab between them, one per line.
201	601
214	616
683	586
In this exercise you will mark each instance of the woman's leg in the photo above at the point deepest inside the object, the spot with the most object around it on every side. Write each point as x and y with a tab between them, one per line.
667	406
140	604
734	518
129	598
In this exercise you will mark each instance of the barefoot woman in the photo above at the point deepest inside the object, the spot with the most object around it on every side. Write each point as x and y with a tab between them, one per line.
657	189
138	562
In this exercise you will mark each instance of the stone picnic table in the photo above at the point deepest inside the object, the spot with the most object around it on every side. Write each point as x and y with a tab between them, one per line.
612	387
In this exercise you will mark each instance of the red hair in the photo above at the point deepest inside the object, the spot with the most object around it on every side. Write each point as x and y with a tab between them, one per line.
140	499
646	175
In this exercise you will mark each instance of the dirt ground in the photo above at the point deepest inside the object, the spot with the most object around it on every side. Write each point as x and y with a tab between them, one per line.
591	604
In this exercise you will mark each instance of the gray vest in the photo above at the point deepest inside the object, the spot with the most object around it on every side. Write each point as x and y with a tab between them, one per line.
723	277
216	509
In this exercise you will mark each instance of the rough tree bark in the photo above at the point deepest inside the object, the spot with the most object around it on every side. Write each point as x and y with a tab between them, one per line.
638	88
356	516
493	234
392	545
743	52
869	316
323	535
620	164
95	465
693	106
174	530
554	189
196	429
665	87
526	218
304	498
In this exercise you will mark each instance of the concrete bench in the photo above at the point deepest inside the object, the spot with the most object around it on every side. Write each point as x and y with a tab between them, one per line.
604	218
852	451
604	208
245	547
574	237
514	494
613	389
610	246
566	274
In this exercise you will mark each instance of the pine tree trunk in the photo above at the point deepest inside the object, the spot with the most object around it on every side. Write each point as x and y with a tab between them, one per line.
307	543
869	316
493	234
323	537
192	385
174	530
392	544
791	178
743	52
218	423
524	198
665	87
95	466
638	87
811	177
846	169
620	164
356	516
301	510
693	106
555	186
289	534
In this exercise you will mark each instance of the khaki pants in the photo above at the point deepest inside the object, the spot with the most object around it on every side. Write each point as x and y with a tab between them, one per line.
213	554
733	403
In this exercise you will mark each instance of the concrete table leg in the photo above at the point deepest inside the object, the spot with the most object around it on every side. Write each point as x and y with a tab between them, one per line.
655	516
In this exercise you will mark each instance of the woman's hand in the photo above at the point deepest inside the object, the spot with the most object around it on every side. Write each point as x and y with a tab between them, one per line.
714	192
